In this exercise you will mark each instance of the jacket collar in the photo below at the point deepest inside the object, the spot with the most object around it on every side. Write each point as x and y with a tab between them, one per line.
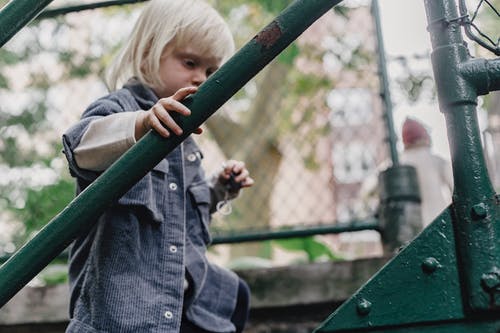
144	95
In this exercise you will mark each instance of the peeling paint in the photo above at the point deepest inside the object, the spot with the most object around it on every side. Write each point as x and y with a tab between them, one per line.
269	35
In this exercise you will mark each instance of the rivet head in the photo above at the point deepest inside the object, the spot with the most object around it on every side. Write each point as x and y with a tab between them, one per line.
363	307
491	280
430	265
479	211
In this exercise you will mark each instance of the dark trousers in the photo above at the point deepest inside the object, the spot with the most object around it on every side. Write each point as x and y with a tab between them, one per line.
239	317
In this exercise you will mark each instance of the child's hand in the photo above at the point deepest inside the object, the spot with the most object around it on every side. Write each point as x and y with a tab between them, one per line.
241	176
158	116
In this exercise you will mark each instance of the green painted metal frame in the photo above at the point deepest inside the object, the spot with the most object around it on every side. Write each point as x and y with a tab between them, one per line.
16	14
270	234
448	278
262	235
81	214
53	12
385	91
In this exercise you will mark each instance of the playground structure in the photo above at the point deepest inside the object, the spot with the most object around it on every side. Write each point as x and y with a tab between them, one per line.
450	273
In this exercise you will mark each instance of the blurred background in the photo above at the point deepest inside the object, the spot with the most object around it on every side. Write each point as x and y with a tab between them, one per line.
309	127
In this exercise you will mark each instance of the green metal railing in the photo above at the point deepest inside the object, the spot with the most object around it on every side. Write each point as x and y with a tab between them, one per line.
80	215
385	92
53	12
448	278
295	232
17	14
399	193
286	231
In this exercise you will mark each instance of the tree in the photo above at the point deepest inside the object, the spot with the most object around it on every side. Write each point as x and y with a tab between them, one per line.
62	61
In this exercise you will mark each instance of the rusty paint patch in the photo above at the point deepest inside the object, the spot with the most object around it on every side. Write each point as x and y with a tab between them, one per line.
269	35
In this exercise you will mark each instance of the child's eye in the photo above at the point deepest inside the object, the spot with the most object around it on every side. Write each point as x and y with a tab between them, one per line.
189	63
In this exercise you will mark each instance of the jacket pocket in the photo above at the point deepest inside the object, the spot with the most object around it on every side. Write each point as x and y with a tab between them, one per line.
200	194
148	194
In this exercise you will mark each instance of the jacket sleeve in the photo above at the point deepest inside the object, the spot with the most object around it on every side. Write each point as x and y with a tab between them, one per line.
105	140
73	136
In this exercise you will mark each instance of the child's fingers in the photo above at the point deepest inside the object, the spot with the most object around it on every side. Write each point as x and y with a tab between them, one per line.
238	167
242	175
163	116
184	92
157	126
247	182
171	104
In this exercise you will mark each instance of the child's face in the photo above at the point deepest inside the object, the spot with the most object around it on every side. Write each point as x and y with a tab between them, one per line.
184	67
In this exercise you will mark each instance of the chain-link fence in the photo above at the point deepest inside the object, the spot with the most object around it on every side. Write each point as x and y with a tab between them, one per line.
309	127
476	17
310	130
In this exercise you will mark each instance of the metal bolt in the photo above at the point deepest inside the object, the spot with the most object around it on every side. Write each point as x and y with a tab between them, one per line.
479	211
491	280
364	307
429	265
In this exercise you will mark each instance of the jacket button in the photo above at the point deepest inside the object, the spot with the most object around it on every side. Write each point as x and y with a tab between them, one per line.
191	157
172	186
173	249
168	314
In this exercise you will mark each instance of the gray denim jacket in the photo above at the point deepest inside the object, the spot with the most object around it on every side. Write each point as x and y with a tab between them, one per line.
127	273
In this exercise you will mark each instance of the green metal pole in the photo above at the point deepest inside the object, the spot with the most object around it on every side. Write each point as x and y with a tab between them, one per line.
49	13
82	213
385	92
399	210
16	14
475	205
262	235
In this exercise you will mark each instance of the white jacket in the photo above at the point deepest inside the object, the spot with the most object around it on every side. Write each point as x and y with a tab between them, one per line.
435	180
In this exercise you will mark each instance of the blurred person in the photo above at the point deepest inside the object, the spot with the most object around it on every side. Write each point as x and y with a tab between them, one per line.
142	267
434	173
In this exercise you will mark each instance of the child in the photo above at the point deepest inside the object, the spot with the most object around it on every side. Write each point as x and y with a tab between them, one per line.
142	268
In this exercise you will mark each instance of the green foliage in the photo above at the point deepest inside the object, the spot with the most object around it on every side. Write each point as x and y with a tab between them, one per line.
53	274
42	204
314	249
48	56
55	278
8	57
274	6
289	55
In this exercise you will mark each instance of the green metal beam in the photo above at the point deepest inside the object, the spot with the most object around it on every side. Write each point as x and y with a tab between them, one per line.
262	235
483	74
448	278
417	291
459	326
16	14
53	12
385	91
243	236
476	206
82	213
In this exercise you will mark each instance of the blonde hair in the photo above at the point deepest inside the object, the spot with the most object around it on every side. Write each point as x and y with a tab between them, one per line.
169	23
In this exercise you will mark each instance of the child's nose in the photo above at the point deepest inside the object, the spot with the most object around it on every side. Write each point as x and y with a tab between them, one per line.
199	78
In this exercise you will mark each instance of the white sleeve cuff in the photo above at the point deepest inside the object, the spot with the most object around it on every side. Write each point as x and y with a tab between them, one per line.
105	140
